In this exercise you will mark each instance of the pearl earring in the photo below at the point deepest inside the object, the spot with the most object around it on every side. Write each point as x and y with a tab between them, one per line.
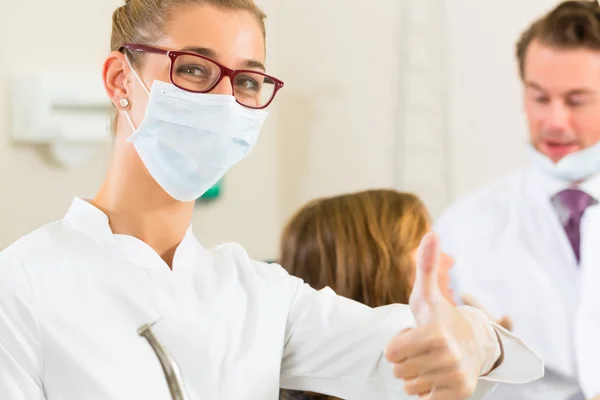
126	81
124	103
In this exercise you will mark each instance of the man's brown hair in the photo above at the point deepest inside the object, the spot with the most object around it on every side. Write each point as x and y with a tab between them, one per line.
570	25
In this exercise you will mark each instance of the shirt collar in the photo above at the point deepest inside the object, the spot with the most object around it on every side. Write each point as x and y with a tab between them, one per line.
552	186
94	223
592	186
90	221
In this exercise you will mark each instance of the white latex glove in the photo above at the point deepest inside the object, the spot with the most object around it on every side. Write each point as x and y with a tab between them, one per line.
505	321
444	356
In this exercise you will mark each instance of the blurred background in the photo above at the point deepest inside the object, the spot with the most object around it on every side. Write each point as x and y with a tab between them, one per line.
419	95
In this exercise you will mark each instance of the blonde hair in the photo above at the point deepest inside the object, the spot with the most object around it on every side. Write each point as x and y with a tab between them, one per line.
358	244
144	21
572	24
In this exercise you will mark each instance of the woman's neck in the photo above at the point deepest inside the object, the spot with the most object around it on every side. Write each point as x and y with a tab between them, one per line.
137	206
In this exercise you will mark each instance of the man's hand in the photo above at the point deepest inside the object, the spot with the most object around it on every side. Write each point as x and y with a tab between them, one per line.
444	356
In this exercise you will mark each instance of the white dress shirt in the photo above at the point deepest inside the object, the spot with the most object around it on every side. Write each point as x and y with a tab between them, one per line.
73	294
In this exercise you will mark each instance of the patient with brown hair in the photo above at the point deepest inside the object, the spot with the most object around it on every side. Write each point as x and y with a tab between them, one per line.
363	246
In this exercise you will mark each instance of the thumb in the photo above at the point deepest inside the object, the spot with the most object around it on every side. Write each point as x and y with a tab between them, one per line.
426	293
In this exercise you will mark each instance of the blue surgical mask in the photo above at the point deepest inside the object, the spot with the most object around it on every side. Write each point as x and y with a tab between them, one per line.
573	167
188	141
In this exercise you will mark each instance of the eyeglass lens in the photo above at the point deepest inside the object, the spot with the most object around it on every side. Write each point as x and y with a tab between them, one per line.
197	74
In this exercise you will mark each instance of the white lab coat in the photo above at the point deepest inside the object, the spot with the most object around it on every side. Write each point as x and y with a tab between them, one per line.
72	296
513	255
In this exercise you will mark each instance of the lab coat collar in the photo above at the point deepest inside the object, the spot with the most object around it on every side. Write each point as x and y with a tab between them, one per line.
90	221
592	186
94	223
552	186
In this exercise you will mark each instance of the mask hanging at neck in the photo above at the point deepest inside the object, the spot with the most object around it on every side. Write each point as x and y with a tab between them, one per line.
571	168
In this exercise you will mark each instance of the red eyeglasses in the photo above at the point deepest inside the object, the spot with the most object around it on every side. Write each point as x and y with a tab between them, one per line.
199	74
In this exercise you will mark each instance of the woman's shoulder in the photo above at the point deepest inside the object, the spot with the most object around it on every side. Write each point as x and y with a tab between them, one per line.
234	255
14	275
42	244
232	258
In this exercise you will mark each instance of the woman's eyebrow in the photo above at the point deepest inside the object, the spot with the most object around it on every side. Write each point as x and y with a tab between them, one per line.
206	52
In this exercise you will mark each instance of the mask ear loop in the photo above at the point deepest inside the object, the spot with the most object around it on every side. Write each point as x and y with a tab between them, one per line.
141	82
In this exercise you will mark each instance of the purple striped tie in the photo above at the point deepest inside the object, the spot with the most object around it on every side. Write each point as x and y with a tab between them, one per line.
576	202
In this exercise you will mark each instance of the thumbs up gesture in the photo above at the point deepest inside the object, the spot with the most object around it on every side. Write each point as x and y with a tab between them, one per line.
450	348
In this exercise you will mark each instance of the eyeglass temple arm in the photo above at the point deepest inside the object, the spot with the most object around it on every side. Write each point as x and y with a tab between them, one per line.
141	47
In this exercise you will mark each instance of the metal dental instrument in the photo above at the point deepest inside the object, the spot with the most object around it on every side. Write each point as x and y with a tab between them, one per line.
168	363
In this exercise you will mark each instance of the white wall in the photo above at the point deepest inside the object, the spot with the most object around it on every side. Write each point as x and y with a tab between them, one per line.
336	119
340	123
487	126
42	34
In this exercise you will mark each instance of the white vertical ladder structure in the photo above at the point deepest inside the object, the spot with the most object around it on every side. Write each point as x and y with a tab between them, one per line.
422	146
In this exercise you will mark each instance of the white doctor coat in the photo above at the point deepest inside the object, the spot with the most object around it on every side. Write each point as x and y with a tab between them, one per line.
73	294
513	255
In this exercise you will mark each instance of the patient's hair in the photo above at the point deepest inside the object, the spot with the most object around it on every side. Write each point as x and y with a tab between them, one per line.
358	244
570	25
145	21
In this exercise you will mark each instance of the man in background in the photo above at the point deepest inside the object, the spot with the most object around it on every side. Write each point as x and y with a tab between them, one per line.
528	246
